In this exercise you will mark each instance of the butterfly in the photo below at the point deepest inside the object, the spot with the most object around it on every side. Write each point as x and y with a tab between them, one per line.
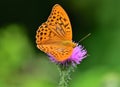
54	36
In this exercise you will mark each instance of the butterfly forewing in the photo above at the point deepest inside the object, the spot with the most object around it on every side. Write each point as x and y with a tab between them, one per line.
45	35
60	22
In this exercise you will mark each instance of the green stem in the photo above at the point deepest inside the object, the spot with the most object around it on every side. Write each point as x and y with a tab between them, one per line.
65	73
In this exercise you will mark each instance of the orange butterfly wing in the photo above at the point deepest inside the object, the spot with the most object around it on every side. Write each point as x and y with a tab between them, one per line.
59	21
55	35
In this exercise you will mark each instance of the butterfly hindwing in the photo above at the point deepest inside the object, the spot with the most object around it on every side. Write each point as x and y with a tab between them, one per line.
60	53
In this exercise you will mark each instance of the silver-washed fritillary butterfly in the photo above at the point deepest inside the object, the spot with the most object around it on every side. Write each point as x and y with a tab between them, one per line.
54	36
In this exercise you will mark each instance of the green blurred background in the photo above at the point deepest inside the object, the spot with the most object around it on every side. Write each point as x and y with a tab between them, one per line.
23	65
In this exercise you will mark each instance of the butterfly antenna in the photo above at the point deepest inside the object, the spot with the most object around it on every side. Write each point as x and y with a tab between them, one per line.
84	37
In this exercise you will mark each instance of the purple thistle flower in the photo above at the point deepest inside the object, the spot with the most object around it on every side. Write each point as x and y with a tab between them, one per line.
76	57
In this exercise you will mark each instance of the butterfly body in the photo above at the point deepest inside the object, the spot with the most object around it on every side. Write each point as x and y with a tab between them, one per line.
69	43
54	36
